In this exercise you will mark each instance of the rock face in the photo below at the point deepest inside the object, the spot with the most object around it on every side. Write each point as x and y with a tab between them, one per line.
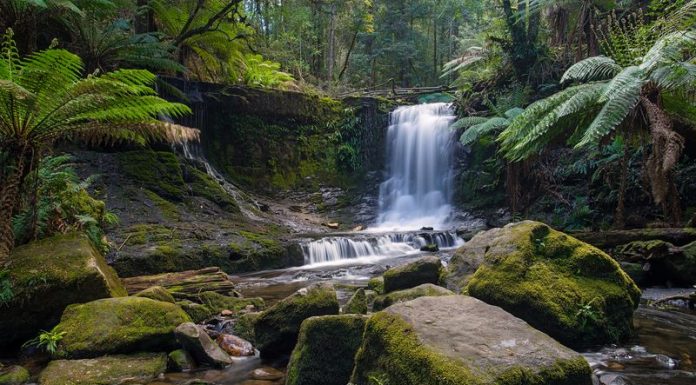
357	304
119	325
276	329
197	342
325	350
49	275
660	263
112	370
158	293
424	270
564	287
13	375
456	340
424	290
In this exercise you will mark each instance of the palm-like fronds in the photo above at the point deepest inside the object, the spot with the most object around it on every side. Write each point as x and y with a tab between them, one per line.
471	55
591	69
476	131
45	98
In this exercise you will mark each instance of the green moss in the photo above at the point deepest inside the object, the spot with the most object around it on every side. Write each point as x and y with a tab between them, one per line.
257	252
166	208
424	290
179	360
119	325
105	370
218	302
197	312
244	326
564	287
13	375
158	293
47	276
376	284
325	350
202	185
357	304
276	329
156	171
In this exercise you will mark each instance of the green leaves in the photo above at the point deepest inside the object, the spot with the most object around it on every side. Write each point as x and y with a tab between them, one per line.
475	132
591	69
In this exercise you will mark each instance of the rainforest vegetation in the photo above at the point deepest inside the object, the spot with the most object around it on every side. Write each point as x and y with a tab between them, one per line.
178	135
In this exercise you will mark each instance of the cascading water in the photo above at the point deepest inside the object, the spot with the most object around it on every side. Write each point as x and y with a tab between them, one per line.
417	192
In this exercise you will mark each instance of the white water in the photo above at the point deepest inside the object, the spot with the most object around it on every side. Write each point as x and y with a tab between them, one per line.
336	250
417	192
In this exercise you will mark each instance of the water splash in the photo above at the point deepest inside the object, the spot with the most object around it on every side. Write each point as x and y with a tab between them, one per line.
418	191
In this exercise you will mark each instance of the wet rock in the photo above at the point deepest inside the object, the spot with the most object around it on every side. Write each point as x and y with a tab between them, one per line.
424	270
325	350
357	304
119	325
332	225
276	329
13	375
566	288
359	228
244	326
425	290
69	270
111	370
202	348
196	311
427	229
180	361
431	247
460	340
267	374
158	293
235	346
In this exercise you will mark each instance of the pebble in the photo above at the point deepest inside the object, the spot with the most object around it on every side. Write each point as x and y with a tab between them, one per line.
267	374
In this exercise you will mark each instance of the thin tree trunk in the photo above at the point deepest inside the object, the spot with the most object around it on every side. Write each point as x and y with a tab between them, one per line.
350	50
620	216
8	202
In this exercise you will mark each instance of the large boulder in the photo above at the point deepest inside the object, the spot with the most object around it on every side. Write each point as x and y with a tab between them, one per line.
683	266
197	342
424	290
424	270
48	275
158	293
571	290
119	325
13	375
459	340
112	370
325	350
276	329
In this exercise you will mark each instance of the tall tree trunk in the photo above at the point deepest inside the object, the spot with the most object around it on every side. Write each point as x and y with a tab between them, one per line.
620	216
331	41
350	51
9	196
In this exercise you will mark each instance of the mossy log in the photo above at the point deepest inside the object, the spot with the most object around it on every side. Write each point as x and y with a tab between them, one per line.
612	238
184	285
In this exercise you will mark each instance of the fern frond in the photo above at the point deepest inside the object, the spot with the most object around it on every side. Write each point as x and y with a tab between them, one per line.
669	49
468	121
591	69
475	132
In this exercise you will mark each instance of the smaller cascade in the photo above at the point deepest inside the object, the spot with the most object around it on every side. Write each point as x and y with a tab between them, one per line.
340	249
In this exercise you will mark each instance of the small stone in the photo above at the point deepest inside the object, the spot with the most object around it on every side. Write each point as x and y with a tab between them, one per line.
267	374
227	313
235	346
431	248
359	228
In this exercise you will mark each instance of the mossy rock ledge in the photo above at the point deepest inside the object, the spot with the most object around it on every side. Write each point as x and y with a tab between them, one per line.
425	270
112	370
49	275
276	329
13	375
459	340
325	350
424	290
564	287
119	325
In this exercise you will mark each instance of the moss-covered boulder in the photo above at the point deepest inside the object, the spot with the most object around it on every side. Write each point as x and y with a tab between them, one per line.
13	375
158	293
111	370
573	291
325	350
218	302
683	266
425	270
48	275
196	311
376	284
459	340
424	290
244	326
180	361
357	304
197	342
119	325
276	329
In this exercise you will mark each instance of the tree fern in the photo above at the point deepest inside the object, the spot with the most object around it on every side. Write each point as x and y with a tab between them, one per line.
591	69
476	131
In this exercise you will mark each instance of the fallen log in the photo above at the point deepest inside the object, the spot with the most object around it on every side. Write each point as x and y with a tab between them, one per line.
184	284
612	238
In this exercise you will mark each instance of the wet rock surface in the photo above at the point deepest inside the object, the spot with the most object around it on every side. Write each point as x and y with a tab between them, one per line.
197	342
424	270
113	370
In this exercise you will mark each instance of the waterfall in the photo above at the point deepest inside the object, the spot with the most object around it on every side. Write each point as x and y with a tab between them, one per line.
418	191
337	249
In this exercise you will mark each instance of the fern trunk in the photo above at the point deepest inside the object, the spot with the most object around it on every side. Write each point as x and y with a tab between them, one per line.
9	196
